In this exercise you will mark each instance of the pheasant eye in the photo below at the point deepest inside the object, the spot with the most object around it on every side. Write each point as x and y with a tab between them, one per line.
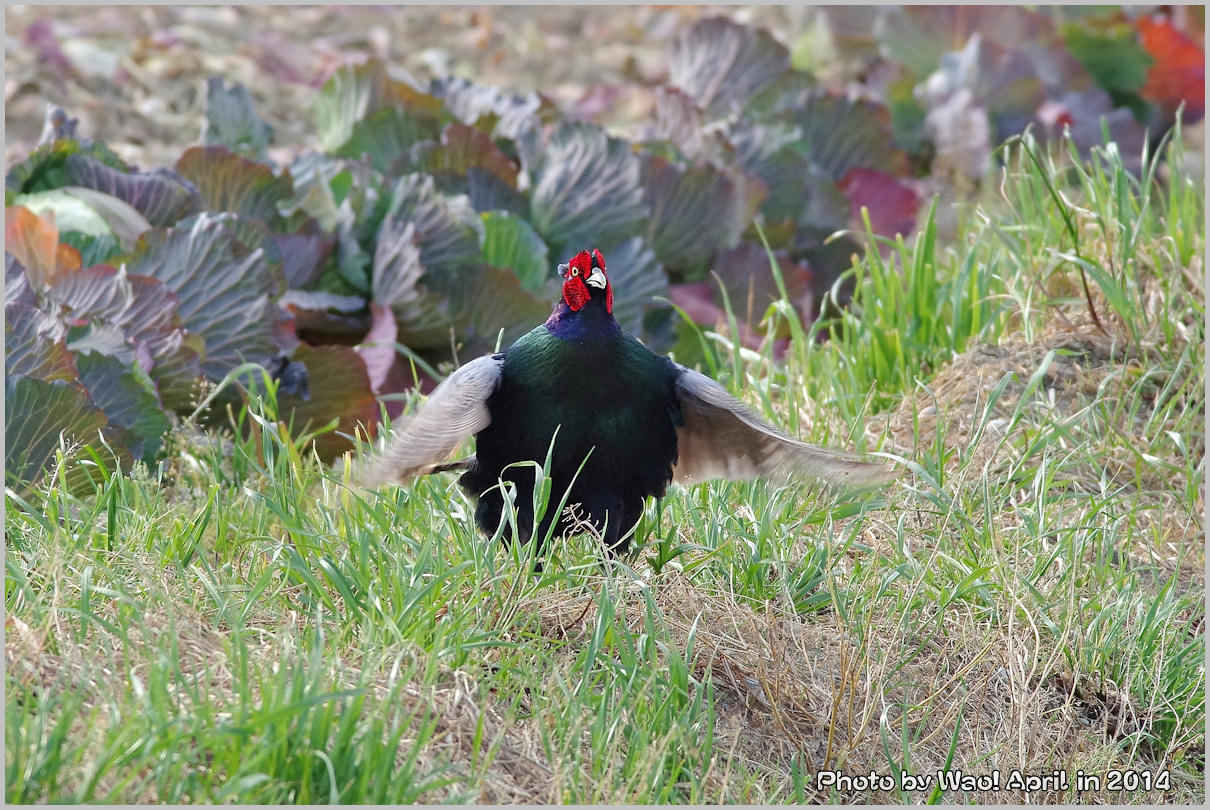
575	271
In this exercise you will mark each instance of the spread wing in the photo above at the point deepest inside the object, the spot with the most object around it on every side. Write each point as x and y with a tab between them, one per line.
723	438
456	409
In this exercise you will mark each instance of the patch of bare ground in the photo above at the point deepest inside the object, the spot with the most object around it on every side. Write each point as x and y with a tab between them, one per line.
136	77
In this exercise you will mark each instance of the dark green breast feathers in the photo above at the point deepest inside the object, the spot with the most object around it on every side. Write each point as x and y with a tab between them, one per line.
617	422
612	404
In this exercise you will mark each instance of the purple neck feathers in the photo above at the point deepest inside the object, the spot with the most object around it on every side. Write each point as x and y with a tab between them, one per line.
591	321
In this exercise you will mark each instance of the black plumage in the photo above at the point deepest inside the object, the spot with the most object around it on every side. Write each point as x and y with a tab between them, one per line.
618	422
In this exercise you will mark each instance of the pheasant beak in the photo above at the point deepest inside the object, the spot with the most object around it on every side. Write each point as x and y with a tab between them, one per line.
596	279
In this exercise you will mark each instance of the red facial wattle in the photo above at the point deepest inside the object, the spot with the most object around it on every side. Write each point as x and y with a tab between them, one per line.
576	292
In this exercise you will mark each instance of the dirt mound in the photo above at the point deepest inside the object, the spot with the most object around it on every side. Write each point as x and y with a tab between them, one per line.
1073	377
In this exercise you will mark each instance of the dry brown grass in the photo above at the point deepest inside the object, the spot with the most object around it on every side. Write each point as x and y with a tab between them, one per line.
785	685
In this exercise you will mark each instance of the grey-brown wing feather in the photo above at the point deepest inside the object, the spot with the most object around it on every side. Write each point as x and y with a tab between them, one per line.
456	410
722	438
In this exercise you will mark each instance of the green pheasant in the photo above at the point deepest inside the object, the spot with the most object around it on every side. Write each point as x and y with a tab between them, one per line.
624	421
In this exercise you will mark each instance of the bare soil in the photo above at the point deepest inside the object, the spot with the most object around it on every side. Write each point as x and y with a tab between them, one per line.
136	76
